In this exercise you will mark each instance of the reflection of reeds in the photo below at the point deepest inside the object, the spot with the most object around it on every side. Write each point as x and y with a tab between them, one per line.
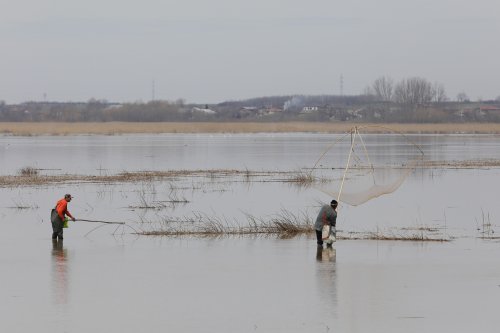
19	204
247	175
409	237
486	229
147	197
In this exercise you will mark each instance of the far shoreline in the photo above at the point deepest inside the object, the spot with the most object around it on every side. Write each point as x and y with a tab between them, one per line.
117	128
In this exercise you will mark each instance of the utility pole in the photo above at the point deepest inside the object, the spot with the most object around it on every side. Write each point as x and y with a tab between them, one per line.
153	91
341	85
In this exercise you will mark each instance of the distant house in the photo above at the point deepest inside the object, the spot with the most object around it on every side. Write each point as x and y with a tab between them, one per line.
272	110
355	113
203	110
269	110
487	111
464	112
471	114
113	106
246	112
489	108
309	109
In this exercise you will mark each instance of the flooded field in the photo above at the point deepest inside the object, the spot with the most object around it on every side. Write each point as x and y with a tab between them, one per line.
113	278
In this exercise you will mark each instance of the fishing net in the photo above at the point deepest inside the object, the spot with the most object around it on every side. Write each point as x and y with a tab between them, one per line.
358	167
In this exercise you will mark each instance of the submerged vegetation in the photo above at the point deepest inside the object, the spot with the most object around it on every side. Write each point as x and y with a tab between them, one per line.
21	204
485	227
231	175
30	176
396	235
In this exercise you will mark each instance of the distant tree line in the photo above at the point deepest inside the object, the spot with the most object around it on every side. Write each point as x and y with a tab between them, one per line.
93	111
411	99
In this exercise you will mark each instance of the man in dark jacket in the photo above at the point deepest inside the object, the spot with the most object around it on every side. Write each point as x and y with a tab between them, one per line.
327	216
57	216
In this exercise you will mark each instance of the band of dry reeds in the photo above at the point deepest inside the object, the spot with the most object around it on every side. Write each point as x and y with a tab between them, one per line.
114	128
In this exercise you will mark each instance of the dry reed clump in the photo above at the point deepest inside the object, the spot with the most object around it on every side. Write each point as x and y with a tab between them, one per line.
284	224
301	178
28	171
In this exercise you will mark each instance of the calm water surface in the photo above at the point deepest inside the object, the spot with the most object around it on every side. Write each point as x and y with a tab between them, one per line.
112	154
111	280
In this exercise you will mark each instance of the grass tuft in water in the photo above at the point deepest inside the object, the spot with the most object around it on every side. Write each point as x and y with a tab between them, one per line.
28	171
301	178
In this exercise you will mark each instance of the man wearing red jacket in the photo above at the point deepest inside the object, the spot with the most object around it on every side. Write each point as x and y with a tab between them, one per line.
57	216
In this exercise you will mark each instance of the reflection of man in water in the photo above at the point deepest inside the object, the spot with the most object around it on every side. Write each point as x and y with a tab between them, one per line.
57	216
326	254
59	272
326	286
327	216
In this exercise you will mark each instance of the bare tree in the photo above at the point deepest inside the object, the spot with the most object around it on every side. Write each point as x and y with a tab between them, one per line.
383	88
414	90
439	93
368	91
462	97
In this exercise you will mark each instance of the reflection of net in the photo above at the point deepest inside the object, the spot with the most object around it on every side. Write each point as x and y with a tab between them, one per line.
356	168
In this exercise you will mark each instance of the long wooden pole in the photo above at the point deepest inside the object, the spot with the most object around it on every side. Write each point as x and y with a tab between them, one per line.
97	221
353	138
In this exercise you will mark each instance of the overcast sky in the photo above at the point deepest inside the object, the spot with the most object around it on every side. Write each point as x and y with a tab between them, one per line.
208	51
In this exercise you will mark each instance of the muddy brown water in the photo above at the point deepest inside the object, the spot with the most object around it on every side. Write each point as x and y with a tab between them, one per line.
110	279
